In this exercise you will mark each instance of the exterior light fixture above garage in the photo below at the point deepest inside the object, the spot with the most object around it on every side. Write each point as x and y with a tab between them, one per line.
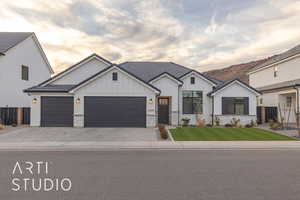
151	101
34	100
78	101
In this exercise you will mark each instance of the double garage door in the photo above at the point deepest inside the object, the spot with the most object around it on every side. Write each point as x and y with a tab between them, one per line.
98	111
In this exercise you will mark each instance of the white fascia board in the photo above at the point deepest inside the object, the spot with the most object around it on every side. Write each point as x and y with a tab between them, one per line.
35	39
229	85
163	76
273	64
74	67
199	75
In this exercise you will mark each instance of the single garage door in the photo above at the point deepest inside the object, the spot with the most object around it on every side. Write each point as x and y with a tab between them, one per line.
57	111
115	111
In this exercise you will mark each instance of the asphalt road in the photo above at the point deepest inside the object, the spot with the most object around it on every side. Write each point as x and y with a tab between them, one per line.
159	175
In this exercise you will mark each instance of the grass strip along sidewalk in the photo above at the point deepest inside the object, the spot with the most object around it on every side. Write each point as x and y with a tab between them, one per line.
225	134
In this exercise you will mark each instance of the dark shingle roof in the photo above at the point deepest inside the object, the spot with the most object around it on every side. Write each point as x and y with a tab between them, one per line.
292	52
149	70
281	85
50	88
11	39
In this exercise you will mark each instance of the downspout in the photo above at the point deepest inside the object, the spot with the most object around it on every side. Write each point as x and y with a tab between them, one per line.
297	93
213	110
178	104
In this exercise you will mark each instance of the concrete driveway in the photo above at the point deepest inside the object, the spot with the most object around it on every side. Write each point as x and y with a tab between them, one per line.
36	134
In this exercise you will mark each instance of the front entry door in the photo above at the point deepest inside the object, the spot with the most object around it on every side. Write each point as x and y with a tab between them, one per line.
163	110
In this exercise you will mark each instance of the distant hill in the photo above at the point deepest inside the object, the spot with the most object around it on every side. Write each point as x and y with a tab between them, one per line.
235	71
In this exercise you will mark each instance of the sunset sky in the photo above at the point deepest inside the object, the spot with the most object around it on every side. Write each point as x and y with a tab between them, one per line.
201	34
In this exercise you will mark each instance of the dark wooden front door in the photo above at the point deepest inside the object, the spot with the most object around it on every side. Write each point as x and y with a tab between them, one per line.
163	110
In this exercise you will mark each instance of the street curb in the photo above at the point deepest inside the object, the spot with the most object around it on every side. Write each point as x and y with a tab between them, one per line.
170	135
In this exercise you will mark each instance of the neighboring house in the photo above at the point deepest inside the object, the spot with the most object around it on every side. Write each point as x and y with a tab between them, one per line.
97	93
23	64
279	81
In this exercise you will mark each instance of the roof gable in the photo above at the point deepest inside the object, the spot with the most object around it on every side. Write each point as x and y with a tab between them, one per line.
227	84
202	76
169	76
113	66
74	67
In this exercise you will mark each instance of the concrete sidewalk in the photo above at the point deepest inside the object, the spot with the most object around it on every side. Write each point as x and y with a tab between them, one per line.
61	146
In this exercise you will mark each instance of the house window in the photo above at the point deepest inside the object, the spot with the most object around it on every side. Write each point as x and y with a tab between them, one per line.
114	76
275	71
192	102
25	73
289	101
192	80
235	105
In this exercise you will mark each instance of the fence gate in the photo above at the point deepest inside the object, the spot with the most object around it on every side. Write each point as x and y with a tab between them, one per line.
26	116
258	114
8	116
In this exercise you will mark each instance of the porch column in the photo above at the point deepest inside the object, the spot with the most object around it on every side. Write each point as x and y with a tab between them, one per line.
19	116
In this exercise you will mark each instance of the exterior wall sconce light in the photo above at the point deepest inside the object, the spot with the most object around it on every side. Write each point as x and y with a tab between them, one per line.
151	101
77	101
34	100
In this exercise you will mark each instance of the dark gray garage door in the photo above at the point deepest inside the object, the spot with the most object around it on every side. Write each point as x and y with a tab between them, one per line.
57	111
115	111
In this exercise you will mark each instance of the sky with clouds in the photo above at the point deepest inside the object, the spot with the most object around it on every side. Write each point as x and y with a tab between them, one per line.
201	34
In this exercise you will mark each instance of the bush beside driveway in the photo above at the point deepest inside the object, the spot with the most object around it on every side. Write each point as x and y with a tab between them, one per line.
225	134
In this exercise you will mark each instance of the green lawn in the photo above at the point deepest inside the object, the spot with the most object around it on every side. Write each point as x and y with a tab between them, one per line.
224	134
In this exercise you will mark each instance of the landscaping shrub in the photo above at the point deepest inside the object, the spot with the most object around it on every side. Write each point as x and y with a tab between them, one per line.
163	132
201	122
209	125
253	123
185	121
228	125
235	122
14	125
275	125
217	121
1	126
248	126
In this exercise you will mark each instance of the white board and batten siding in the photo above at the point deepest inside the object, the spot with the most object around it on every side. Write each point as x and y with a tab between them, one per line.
200	85
25	53
235	90
105	86
81	72
286	71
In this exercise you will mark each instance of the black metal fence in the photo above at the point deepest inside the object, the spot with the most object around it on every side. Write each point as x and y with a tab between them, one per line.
8	116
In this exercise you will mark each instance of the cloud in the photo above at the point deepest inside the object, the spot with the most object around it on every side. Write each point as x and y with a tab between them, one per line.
199	34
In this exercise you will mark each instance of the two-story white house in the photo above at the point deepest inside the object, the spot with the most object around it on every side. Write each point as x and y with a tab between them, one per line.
278	80
23	64
98	93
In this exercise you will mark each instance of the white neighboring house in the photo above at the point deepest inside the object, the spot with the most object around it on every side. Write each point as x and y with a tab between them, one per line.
23	64
97	93
279	81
